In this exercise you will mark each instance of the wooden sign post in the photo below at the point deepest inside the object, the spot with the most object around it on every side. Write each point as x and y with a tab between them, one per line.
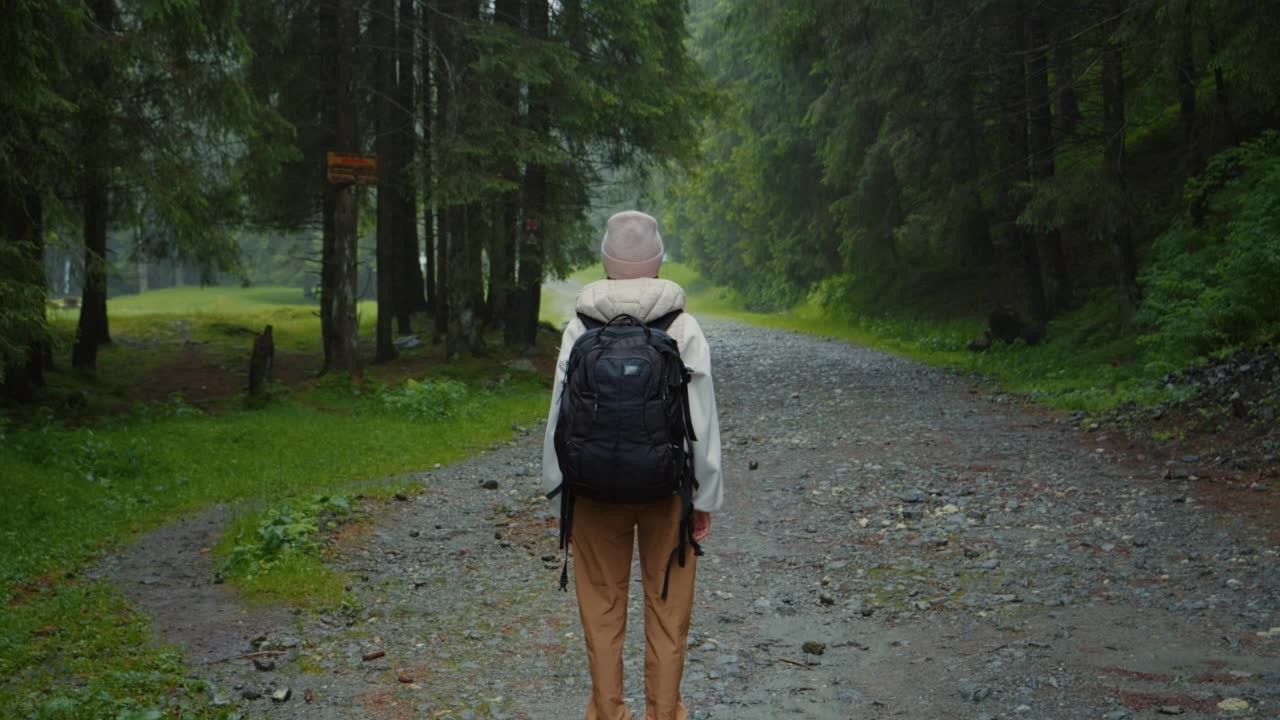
347	169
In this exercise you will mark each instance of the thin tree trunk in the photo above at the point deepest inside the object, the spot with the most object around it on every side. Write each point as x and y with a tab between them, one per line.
92	329
382	39
478	231
328	274
465	282
1113	130
1043	154
523	323
442	30
972	218
1184	73
327	27
469	277
1064	86
502	267
410	286
346	339
461	314
1221	97
139	247
429	219
1013	97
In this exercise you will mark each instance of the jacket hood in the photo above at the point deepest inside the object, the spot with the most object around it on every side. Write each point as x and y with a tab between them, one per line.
645	298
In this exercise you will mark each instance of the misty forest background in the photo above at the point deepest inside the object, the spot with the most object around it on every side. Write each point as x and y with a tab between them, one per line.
1103	175
1111	161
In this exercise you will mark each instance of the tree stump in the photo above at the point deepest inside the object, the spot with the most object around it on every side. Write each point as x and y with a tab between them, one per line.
264	350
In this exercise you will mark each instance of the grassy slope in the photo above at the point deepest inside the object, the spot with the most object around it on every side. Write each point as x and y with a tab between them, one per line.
71	648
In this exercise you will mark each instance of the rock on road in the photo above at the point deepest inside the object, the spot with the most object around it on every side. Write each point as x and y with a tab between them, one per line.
907	546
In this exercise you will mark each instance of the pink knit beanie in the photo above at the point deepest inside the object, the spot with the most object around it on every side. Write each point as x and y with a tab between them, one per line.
632	247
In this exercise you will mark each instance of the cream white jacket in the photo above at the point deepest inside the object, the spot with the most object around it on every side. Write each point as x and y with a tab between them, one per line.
649	299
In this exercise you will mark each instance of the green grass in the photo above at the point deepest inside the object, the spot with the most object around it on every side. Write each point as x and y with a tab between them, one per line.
76	488
82	652
214	315
72	491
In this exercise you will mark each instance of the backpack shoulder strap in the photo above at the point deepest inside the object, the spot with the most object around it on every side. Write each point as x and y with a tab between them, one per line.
664	323
589	322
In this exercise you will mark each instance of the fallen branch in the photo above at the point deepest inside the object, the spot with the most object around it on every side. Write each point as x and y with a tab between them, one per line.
797	663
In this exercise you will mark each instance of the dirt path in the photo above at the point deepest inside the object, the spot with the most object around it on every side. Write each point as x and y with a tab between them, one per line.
957	555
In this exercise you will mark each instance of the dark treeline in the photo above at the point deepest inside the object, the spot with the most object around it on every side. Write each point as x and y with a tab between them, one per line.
166	131
959	156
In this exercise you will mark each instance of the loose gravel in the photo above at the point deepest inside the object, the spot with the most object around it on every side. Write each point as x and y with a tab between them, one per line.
907	545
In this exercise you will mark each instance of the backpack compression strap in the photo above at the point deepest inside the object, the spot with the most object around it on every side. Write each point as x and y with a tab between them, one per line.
566	529
686	535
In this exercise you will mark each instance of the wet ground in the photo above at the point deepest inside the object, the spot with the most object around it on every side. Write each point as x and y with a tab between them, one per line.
946	553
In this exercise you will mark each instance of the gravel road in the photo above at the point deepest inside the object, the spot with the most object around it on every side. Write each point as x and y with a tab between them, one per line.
897	542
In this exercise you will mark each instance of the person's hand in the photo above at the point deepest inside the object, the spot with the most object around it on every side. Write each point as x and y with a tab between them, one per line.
701	525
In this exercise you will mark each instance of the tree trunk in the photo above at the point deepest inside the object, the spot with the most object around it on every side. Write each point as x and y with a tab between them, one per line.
522	328
261	362
92	329
478	238
345	342
441	25
328	274
971	218
429	219
502	259
1064	85
95	180
506	209
1043	154
462	260
1113	130
1016	163
382	39
455	267
327	29
139	248
469	276
22	224
1221	97
409	284
1185	77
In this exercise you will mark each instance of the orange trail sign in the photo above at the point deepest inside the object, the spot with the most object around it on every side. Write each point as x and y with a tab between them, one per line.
346	169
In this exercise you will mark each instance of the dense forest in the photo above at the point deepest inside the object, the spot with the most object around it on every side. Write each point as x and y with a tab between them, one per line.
152	143
1115	156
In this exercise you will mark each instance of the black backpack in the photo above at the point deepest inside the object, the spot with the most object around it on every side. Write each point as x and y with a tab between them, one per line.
623	433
